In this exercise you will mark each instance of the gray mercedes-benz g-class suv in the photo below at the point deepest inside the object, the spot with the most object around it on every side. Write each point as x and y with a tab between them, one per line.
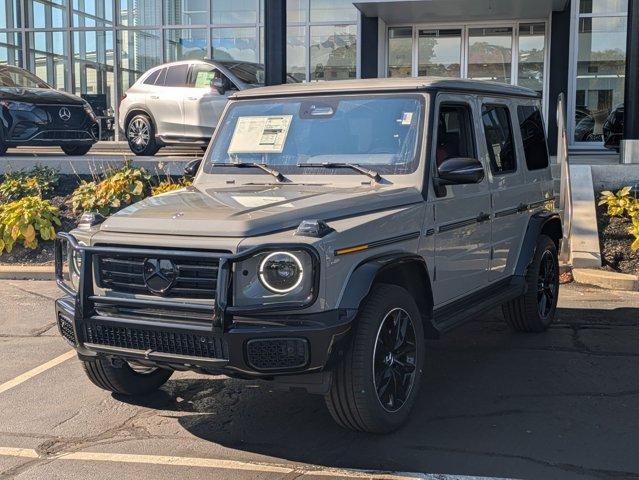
331	229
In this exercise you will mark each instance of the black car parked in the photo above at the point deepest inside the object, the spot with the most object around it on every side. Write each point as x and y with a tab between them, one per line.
33	113
613	128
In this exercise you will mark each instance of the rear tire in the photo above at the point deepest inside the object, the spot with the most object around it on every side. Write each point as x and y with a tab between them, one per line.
140	133
534	310
376	383
76	150
124	380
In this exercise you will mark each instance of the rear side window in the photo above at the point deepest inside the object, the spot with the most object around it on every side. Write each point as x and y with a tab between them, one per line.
454	133
176	76
499	138
151	79
533	137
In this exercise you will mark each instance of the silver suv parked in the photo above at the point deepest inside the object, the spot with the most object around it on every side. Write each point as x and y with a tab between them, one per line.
331	228
181	102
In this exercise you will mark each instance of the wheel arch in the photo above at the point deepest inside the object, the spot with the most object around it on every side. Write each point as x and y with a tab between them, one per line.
405	270
541	223
138	110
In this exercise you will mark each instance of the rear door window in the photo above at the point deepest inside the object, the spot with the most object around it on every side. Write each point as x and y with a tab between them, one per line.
533	137
499	138
152	79
176	76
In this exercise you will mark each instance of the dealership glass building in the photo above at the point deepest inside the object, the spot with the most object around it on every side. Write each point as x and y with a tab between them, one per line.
100	47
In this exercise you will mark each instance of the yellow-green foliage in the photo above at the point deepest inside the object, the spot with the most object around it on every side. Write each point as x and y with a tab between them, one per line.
169	185
624	204
123	187
25	220
39	181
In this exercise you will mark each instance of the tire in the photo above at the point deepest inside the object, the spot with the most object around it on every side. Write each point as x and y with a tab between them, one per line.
124	380
76	150
140	134
527	313
353	400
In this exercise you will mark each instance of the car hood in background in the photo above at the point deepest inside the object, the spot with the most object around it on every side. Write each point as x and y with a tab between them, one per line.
252	210
42	96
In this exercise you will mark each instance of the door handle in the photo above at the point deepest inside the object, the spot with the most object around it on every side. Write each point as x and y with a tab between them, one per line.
482	217
522	207
191	98
154	97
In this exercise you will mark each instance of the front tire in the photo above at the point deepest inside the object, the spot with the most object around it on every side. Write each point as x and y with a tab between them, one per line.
124	380
376	383
76	150
534	310
140	134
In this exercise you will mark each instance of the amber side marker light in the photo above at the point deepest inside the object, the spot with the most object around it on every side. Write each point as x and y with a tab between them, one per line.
344	251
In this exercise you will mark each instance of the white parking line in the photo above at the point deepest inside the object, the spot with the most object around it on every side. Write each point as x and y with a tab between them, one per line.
229	465
36	371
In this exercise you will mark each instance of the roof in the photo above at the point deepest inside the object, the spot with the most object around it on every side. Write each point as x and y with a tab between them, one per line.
386	85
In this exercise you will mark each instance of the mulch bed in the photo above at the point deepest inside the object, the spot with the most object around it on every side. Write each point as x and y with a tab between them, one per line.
615	241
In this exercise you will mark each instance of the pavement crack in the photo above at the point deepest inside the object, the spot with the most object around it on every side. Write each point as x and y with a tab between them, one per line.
37	294
498	413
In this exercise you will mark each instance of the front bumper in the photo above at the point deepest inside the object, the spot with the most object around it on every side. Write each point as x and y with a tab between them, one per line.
205	337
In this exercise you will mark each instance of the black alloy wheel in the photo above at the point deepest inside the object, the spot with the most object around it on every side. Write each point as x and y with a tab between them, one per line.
547	284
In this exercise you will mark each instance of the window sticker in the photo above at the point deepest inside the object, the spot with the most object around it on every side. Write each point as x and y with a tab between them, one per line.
407	118
260	134
204	79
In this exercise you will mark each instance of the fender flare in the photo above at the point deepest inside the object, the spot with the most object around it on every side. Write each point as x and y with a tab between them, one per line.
538	223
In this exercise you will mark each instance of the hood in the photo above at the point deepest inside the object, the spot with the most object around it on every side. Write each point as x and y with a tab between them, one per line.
251	210
44	96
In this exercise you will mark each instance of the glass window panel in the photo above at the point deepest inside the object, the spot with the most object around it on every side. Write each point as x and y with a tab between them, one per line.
186	44
140	50
499	138
533	137
601	64
235	44
47	14
10	14
296	11
93	59
186	12
333	11
229	12
92	13
532	43
296	53
48	57
176	75
400	51
11	49
439	52
333	52
490	54
603	6
140	12
455	133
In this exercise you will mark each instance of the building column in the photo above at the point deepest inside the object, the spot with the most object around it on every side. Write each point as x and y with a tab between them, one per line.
630	143
369	44
275	42
558	70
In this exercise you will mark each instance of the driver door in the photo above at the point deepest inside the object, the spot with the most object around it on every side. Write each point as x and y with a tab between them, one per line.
203	105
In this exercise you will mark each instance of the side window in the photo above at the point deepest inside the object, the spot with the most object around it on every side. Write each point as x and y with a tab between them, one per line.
454	133
151	79
202	76
499	138
176	76
533	137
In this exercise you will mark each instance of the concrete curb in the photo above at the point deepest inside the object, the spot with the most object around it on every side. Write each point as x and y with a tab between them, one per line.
606	279
27	272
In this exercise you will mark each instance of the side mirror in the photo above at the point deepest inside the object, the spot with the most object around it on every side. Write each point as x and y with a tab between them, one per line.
192	167
460	171
220	84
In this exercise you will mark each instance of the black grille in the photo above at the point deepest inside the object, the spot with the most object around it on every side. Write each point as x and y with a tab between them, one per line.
195	278
66	329
156	340
277	353
78	116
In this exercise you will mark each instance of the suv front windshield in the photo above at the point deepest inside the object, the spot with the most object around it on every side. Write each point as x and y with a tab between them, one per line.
15	77
380	132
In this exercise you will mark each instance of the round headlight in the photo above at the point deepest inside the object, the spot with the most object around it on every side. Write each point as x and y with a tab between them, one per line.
281	272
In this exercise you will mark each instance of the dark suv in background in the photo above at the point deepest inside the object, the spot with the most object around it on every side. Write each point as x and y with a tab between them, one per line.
32	113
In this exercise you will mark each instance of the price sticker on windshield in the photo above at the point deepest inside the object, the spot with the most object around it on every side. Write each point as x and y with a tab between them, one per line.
260	134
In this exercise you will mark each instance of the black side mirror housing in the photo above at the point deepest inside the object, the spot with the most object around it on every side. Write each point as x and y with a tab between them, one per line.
220	84
460	171
192	167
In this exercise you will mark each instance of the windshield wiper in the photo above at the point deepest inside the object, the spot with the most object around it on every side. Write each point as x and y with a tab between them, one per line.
261	166
353	166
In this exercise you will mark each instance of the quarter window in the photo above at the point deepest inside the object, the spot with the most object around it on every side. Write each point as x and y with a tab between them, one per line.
533	137
151	79
454	133
499	138
176	76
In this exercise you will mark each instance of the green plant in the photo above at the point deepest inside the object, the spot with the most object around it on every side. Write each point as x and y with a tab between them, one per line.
634	231
39	181
25	220
121	188
620	203
169	185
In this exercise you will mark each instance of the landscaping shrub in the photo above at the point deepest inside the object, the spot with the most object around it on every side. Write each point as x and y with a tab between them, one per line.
169	185
25	220
120	189
624	204
39	181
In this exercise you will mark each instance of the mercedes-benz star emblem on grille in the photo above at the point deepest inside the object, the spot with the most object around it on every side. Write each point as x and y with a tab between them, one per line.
65	114
159	275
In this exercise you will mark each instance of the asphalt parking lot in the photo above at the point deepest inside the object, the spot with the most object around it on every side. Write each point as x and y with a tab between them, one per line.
560	405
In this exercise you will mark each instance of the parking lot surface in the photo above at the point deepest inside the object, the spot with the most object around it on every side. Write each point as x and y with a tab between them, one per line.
563	404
